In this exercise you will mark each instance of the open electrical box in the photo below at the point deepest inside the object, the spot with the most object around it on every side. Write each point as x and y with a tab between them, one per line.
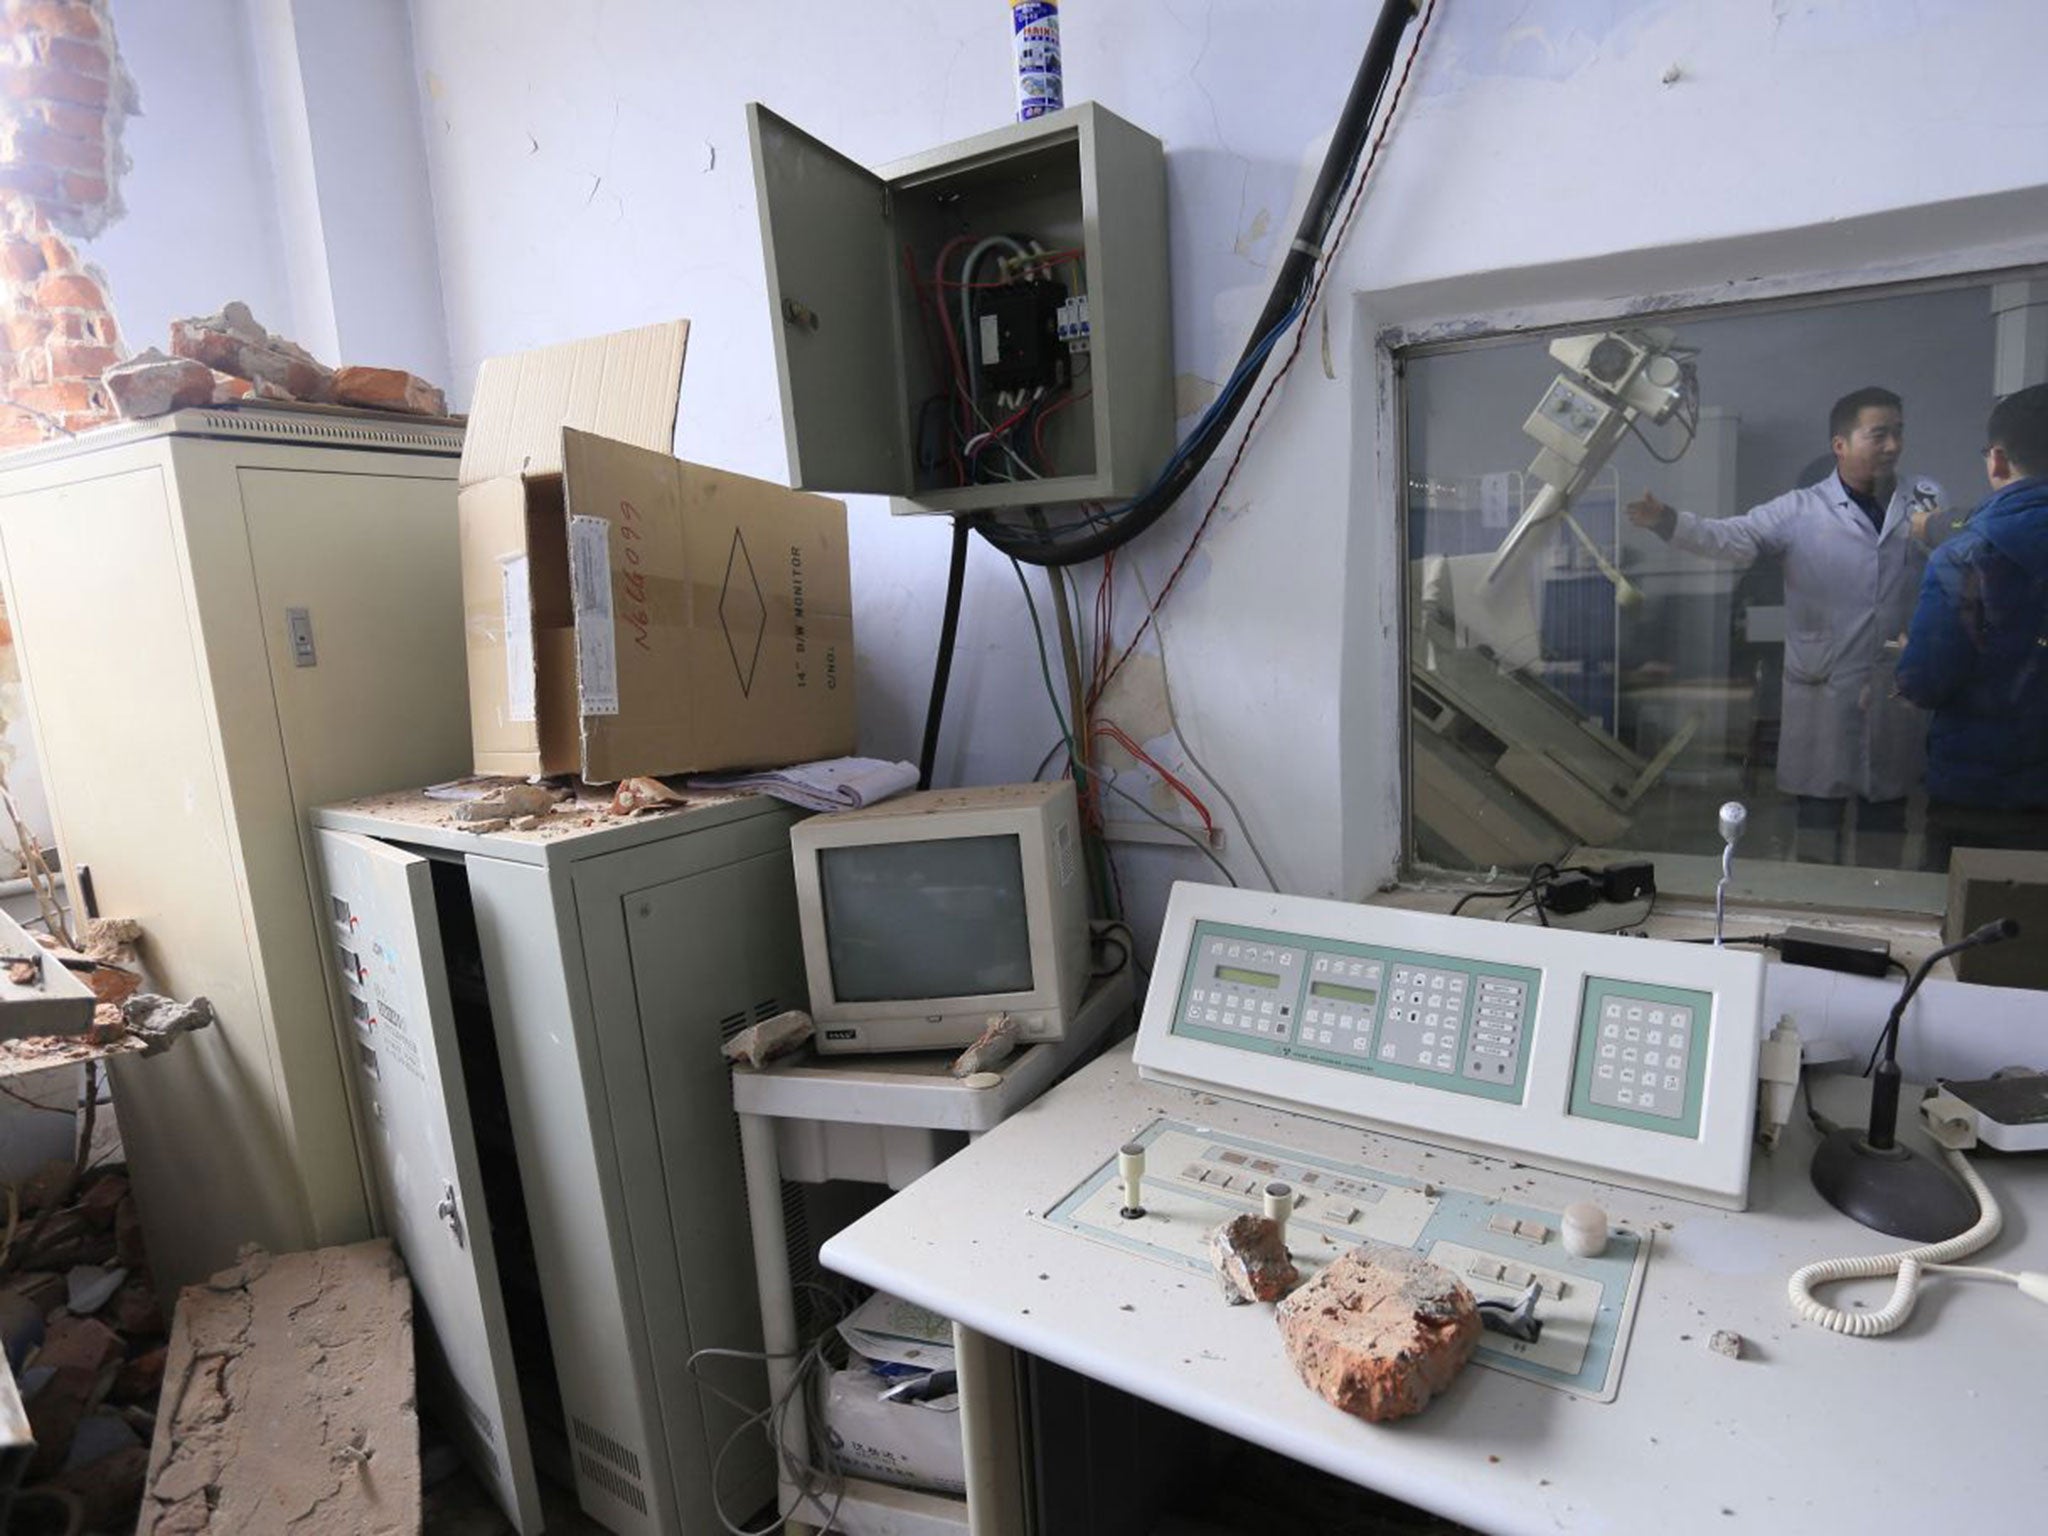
895	358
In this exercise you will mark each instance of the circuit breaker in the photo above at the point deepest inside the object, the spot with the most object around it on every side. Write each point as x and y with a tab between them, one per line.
985	325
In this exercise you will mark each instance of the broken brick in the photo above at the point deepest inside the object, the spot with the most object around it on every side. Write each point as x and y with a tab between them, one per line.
1251	1260
142	1378
107	1488
134	1308
388	389
53	1415
100	1201
1380	1332
233	341
80	1343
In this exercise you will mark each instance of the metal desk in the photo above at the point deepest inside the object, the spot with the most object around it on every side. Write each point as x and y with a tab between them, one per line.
1803	1433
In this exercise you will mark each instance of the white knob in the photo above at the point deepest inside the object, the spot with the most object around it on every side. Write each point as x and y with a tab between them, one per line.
1130	1163
1585	1230
1734	816
1279	1204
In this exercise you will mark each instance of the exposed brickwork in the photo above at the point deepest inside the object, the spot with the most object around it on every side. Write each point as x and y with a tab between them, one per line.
64	97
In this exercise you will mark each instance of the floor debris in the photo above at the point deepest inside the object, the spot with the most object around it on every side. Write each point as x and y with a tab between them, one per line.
288	1401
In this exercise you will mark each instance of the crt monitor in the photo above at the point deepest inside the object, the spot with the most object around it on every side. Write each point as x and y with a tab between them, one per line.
924	915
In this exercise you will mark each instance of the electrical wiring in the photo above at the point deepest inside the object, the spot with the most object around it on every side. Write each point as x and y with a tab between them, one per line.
1080	767
1279	374
1295	287
1187	747
806	1477
1117	734
1052	409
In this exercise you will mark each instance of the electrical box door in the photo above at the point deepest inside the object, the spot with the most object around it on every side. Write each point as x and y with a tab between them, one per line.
386	944
830	245
1041	376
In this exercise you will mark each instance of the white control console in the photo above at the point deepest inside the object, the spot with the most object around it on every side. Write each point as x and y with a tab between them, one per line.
1629	1060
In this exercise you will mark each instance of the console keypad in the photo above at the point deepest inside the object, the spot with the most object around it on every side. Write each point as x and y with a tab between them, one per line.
1643	1056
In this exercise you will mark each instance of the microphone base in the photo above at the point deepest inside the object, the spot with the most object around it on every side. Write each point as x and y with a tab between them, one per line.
1897	1190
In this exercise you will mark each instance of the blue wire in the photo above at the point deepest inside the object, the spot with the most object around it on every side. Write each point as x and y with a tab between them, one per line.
1249	364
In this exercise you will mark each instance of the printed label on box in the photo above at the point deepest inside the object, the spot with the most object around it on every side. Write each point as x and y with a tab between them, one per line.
518	604
597	643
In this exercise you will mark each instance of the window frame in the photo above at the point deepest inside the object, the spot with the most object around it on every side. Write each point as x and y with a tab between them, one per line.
1789	884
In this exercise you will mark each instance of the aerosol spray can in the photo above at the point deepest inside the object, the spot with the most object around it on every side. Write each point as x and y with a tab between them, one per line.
1036	25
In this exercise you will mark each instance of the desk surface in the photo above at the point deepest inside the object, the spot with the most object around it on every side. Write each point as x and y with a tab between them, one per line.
1795	1435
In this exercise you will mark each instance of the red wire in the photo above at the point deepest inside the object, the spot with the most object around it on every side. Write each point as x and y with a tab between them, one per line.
1038	427
1004	426
1300	334
928	306
1117	735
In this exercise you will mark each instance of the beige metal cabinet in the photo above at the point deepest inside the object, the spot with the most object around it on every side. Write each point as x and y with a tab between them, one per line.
225	618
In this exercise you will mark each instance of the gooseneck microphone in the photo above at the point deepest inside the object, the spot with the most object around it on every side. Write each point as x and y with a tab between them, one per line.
1733	818
1866	1174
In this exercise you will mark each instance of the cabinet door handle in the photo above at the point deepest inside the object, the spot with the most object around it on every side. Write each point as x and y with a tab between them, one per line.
450	1216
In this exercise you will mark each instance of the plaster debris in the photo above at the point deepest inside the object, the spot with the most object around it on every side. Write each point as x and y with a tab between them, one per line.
151	384
235	342
1726	1342
995	1043
157	1021
759	1044
1251	1261
644	795
288	1401
506	801
1380	1332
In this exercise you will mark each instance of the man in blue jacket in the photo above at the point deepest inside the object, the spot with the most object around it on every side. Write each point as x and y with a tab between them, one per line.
1977	652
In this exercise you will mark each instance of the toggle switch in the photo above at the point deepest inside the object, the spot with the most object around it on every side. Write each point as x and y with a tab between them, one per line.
1130	1164
1279	1205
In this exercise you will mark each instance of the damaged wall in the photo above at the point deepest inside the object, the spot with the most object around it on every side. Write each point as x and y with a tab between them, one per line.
64	97
594	174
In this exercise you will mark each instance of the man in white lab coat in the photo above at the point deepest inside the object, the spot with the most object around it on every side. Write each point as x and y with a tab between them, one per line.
1852	565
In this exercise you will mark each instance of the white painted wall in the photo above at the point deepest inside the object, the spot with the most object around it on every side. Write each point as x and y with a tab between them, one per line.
589	171
202	225
277	160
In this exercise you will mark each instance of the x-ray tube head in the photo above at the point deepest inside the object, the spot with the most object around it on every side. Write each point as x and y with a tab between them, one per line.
1610	380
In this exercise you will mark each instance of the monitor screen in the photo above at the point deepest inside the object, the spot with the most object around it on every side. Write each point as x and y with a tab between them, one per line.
940	918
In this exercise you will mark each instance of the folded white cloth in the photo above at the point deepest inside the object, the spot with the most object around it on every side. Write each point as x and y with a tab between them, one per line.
837	784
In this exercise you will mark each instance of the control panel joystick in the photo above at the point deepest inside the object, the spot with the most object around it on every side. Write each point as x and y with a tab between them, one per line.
1130	1164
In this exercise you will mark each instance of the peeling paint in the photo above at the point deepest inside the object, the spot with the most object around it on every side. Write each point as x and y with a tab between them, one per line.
1192	393
1260	226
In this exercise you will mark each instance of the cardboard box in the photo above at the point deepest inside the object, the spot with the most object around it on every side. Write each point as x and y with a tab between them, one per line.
628	613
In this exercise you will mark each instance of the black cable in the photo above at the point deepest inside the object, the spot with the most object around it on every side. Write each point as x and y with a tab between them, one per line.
942	663
1110	938
1289	293
1513	893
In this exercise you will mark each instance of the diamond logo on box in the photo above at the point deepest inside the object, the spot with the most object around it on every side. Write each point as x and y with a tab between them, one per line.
742	612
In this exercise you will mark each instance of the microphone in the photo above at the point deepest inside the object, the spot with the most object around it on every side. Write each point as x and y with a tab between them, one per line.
1884	1088
1733	818
1866	1174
